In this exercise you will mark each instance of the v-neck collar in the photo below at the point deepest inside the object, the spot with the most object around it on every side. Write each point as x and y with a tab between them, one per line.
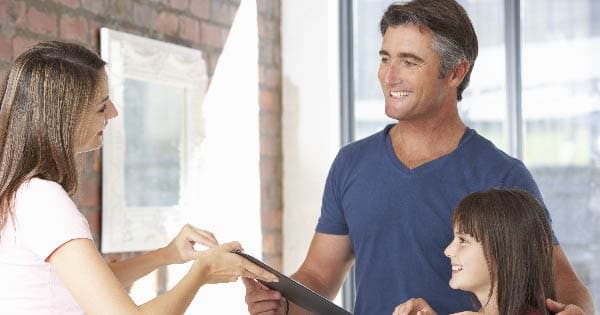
431	165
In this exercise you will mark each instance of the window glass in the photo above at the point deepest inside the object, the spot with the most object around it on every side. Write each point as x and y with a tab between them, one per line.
561	114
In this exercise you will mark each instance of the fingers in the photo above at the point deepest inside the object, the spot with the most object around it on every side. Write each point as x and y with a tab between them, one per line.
414	306
194	234
252	285
250	270
231	246
261	301
554	306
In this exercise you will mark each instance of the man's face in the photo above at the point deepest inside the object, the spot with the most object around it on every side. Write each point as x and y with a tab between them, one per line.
409	73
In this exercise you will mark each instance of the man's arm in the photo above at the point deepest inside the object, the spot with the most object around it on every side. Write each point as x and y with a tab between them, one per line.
327	262
569	289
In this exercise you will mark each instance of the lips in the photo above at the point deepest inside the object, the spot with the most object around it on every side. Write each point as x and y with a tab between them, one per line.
456	268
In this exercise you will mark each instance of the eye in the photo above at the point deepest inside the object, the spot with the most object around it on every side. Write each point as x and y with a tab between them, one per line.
103	108
409	63
462	240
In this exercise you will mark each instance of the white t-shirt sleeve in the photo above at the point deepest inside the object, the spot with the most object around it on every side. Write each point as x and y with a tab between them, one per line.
46	217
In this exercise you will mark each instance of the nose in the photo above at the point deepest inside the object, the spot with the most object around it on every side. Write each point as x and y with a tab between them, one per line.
449	251
111	111
389	73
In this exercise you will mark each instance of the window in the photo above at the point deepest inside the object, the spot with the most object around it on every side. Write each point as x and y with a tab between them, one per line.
558	99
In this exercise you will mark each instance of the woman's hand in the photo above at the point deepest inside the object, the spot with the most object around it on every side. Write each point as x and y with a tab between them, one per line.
414	306
219	264
181	249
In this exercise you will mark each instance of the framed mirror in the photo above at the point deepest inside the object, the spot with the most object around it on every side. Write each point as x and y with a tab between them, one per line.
151	150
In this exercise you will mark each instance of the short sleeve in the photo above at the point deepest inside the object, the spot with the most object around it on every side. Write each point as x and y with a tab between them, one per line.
332	220
46	217
520	178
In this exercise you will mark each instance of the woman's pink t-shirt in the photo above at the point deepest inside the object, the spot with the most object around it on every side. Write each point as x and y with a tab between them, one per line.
45	218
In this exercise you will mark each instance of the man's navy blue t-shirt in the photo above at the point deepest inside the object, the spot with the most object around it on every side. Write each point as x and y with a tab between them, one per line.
399	220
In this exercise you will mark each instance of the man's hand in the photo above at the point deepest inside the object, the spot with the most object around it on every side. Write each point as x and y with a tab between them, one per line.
414	306
262	300
563	309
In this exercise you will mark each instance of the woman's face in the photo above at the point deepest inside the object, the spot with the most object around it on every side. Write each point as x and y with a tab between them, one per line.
470	270
95	118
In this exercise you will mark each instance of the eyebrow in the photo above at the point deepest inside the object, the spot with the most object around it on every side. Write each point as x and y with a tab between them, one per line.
103	100
402	55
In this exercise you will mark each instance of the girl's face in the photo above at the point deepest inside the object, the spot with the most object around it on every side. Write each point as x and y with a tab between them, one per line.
95	118
469	267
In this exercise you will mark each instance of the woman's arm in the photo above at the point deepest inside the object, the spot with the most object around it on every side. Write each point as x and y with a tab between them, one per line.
88	278
180	250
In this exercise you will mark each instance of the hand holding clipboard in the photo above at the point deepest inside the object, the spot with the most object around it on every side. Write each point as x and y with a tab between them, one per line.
296	292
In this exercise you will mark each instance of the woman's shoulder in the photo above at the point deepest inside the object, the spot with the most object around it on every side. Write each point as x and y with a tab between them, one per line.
37	192
41	186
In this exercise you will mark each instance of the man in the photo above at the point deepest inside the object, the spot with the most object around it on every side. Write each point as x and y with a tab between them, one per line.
389	198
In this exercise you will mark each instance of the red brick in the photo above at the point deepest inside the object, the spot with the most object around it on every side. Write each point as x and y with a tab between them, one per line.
3	10
276	53
271	243
93	218
20	44
265	7
21	11
189	29
179	4
271	219
276	9
212	60
122	9
211	35
5	48
69	3
95	6
166	23
273	77
144	15
270	123
94	34
74	28
41	22
200	8
273	260
223	12
270	146
269	100
88	193
268	29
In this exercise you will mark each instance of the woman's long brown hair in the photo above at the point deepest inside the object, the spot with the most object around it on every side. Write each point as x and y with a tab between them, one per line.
43	99
514	230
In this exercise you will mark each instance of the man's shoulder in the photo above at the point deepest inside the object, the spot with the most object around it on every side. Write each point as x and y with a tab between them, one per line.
367	143
480	148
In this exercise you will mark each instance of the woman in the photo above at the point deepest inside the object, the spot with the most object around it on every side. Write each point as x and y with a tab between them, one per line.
501	252
54	105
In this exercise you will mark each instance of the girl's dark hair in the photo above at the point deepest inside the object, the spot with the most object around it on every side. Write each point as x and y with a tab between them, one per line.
514	231
454	37
42	102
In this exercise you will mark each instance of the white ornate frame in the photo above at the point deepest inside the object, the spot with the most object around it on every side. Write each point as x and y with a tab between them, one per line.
128	56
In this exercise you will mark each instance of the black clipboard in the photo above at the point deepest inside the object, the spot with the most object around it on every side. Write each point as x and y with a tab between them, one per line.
296	292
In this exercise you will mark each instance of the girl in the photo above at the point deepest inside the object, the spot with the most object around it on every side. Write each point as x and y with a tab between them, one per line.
501	252
54	105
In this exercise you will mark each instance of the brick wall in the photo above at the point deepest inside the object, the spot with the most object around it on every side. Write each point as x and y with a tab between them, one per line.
202	24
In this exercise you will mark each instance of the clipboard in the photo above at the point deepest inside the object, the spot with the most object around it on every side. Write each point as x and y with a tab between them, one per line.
296	292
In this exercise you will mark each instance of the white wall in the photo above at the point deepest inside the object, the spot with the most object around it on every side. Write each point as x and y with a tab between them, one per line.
311	117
